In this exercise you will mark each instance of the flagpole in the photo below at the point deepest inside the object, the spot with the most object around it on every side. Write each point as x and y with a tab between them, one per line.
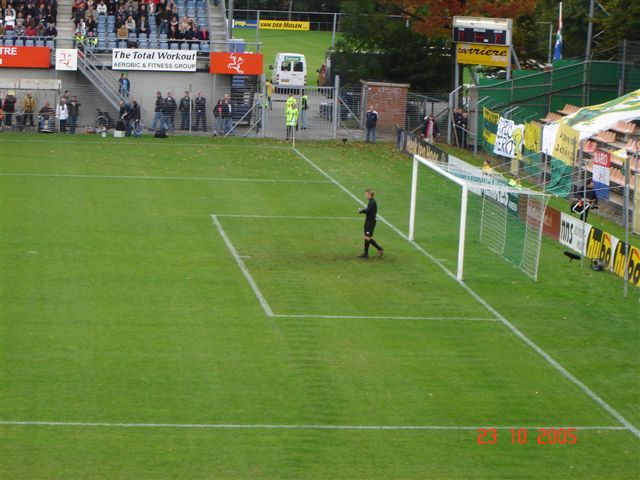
557	51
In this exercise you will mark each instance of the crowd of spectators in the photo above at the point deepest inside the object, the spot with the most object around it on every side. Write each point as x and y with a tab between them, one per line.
20	112
28	18
138	18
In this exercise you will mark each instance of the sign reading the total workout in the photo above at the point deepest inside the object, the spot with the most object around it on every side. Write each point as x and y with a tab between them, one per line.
25	57
477	54
235	63
283	25
154	60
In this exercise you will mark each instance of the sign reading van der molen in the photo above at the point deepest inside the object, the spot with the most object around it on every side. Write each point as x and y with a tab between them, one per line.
154	60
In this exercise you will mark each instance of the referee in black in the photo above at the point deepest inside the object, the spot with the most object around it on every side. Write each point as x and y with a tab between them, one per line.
370	224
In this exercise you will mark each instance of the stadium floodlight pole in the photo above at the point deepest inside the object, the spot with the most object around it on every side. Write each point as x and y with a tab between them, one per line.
627	179
333	32
230	18
587	54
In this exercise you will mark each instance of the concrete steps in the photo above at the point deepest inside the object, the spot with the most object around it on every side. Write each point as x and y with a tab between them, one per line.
65	25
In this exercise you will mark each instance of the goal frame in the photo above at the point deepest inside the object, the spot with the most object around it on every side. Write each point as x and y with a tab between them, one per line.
417	161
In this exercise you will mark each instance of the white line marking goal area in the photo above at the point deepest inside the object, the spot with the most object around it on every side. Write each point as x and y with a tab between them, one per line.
515	330
268	310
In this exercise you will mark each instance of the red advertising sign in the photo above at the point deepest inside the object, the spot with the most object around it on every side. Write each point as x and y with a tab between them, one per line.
25	57
551	225
232	63
602	158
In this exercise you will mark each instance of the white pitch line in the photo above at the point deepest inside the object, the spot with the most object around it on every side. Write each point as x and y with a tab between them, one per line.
147	177
243	268
235	426
286	217
149	144
554	363
382	317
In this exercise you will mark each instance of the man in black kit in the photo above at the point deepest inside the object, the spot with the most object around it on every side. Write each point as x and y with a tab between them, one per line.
370	224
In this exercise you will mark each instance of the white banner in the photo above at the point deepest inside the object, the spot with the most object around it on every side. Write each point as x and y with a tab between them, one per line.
66	59
154	60
509	138
572	234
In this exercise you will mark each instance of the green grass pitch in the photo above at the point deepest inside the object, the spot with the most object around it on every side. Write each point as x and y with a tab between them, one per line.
137	280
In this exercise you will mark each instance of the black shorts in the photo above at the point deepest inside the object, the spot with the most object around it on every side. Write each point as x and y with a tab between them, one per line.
369	227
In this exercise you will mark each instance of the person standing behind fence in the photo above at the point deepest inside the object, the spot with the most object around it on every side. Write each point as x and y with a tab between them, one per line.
28	107
185	108
268	86
201	112
291	120
371	120
157	112
227	114
9	107
125	85
169	112
304	106
217	115
62	114
135	119
74	112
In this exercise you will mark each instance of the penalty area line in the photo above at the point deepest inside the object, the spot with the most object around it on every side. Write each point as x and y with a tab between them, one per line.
149	177
516	331
243	268
285	217
236	426
385	317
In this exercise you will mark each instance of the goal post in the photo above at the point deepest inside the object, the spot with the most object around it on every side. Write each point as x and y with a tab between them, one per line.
417	160
505	219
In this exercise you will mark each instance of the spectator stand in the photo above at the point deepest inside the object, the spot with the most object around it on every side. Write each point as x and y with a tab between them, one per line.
25	24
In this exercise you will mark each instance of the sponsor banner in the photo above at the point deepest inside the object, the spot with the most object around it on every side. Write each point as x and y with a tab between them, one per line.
478	54
425	149
283	25
245	24
599	245
620	263
601	171
590	120
509	139
154	60
66	59
573	233
566	144
551	223
235	63
532	136
25	57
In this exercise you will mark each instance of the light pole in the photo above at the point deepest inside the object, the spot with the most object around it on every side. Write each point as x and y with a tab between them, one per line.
550	39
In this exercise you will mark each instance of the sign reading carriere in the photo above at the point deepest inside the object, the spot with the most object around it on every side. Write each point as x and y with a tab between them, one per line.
154	60
478	54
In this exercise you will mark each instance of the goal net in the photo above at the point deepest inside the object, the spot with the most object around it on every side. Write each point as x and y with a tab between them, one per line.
460	211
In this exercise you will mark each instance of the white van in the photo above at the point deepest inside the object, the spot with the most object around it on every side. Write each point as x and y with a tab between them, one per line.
289	69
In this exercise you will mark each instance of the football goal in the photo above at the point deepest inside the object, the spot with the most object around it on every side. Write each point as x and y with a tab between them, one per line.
460	200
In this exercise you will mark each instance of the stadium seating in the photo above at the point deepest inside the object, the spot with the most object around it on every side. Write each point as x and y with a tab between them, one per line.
10	39
194	9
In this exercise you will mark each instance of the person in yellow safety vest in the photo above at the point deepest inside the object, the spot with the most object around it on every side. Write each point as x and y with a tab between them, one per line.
291	101
79	38
292	120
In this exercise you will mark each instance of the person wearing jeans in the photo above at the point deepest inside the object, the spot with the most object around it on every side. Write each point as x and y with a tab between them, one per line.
158	116
371	120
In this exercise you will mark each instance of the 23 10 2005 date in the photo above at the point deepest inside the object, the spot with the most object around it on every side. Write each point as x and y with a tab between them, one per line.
520	436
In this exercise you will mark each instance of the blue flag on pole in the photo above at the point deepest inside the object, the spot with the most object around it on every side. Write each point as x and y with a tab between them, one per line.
557	52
